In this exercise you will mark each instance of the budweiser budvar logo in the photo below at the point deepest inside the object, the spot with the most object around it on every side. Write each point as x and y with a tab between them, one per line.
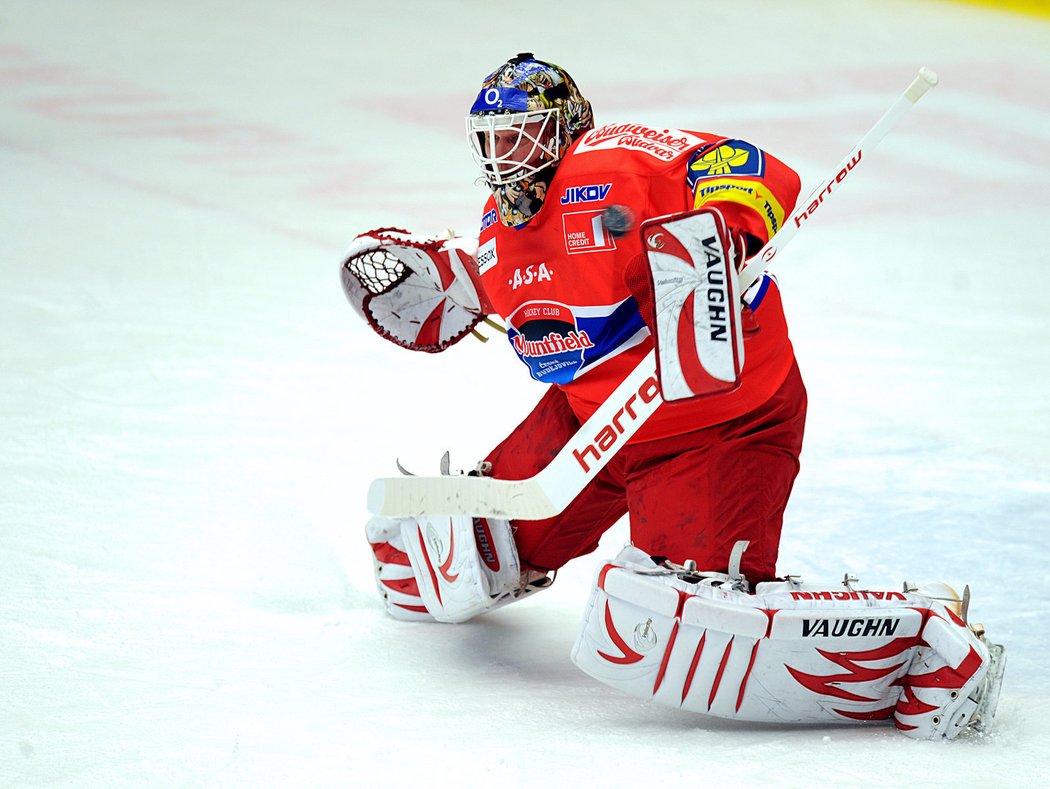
663	144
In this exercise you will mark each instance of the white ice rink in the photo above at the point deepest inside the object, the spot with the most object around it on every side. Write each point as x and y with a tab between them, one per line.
190	413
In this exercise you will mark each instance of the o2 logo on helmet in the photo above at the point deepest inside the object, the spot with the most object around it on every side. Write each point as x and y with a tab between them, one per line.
585	232
500	99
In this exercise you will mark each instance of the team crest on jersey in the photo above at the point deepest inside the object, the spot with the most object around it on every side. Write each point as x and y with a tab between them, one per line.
733	157
586	232
548	340
559	342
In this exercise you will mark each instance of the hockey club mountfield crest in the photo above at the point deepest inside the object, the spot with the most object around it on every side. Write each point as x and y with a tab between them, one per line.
549	340
558	341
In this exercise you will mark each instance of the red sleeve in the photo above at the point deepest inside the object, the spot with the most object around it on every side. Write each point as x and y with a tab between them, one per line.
754	191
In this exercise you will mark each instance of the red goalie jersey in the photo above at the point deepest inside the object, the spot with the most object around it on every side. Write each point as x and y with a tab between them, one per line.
559	281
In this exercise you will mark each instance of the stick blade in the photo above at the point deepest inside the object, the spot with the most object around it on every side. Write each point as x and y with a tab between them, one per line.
482	497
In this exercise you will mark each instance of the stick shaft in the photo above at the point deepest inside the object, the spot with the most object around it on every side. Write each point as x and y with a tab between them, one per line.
925	80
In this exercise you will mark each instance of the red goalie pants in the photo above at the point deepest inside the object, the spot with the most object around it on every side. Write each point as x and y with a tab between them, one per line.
690	496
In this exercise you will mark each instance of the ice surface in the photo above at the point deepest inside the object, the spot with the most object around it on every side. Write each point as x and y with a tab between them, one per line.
190	415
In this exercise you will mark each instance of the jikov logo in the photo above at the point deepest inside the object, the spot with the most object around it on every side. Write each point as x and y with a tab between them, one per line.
585	194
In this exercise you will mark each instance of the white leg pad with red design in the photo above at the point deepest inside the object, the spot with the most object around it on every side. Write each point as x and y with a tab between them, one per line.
953	681
395	578
790	653
466	566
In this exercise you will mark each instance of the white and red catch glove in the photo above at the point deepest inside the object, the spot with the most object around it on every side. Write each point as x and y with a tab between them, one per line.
420	292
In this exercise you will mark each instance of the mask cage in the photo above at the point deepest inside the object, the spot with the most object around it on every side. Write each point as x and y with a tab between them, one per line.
540	131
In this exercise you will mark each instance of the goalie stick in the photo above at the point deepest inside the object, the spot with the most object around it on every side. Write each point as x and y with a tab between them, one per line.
610	427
